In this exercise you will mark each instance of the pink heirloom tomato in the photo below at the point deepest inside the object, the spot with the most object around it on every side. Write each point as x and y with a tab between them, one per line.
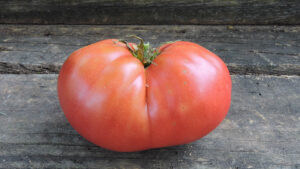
127	97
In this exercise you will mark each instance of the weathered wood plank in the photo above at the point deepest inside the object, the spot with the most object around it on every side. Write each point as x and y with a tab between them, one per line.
262	130
150	12
245	49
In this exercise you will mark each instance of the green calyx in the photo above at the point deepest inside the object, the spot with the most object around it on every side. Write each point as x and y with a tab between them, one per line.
143	51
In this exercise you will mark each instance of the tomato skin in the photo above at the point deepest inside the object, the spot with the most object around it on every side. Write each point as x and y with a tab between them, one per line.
112	101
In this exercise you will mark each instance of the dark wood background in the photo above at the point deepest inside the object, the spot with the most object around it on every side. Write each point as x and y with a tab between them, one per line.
150	12
259	40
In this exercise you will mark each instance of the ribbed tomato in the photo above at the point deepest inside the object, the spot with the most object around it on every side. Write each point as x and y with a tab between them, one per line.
112	100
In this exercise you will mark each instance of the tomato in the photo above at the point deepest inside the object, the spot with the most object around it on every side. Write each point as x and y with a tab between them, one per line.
112	100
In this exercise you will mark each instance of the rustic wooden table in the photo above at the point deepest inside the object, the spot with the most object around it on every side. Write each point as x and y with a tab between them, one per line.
261	130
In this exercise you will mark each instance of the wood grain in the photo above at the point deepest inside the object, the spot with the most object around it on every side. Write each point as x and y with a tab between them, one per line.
271	50
150	12
261	130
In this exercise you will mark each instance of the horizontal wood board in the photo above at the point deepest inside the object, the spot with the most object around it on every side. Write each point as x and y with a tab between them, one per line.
261	130
273	50
150	12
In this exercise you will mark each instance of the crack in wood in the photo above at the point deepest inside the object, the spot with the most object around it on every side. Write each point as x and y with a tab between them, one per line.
276	70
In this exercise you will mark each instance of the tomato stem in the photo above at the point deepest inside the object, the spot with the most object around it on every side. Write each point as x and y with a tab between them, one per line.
143	51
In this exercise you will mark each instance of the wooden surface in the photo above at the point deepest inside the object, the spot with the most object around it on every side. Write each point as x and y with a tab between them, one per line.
150	12
271	50
261	130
